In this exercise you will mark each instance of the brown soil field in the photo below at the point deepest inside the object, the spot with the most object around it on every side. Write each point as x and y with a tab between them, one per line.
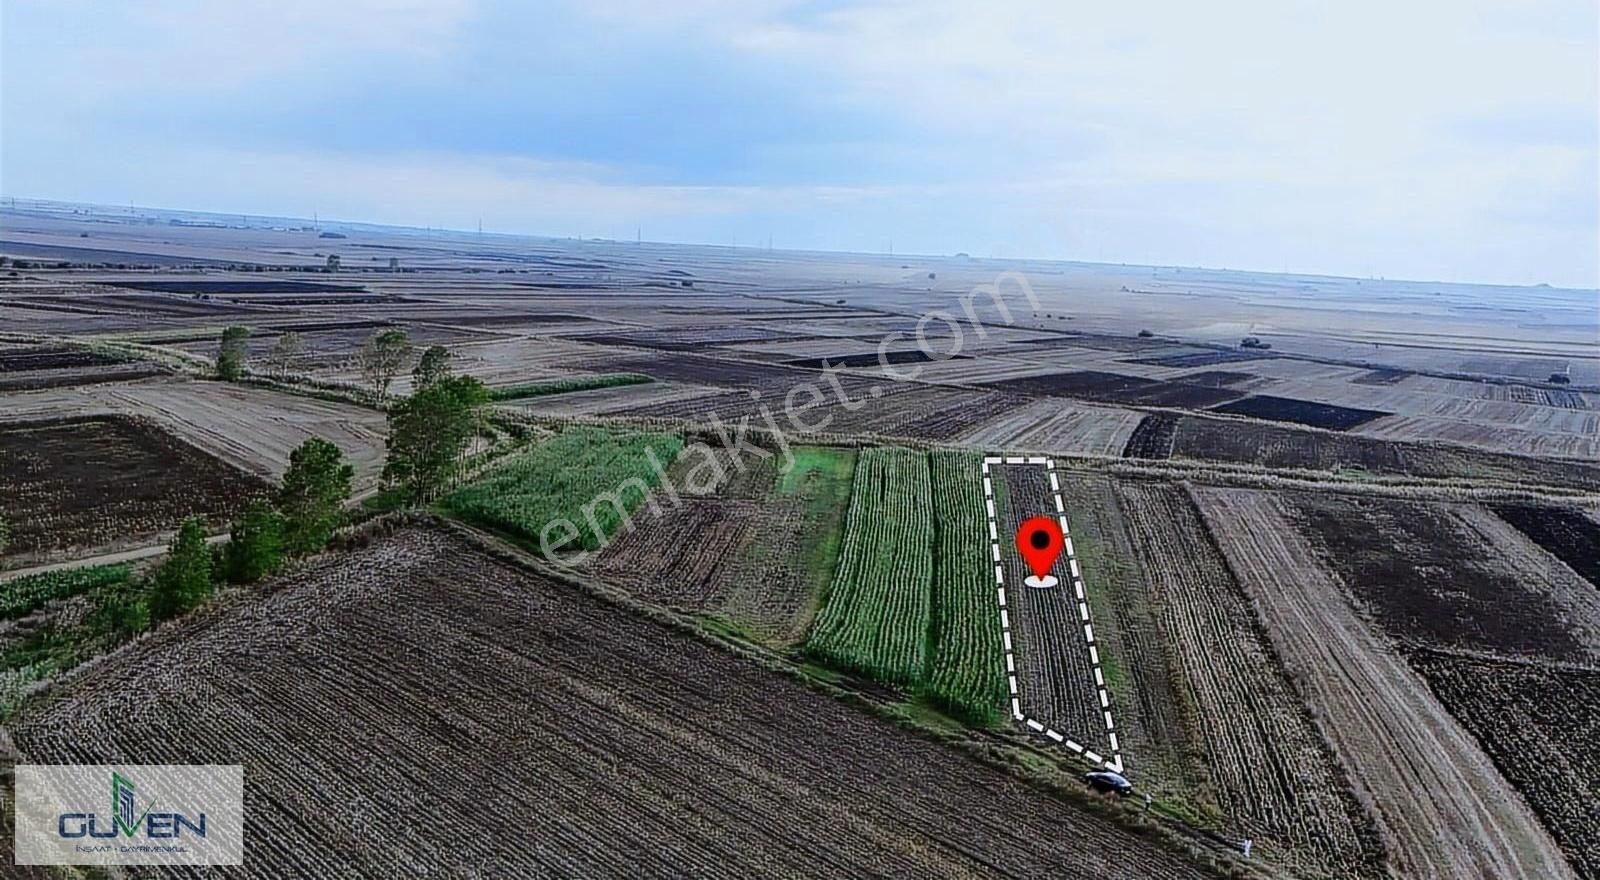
1155	712
1266	768
99	483
1304	412
1565	533
1452	575
1246	442
1101	387
1055	426
1541	725
253	428
1153	438
34	367
747	552
1054	675
1442	808
606	743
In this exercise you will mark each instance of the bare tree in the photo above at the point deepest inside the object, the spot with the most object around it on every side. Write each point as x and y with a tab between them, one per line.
383	357
285	352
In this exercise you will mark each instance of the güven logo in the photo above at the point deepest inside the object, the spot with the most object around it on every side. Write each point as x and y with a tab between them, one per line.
129	814
163	825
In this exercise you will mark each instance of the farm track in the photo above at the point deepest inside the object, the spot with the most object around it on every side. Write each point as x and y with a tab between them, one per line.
1442	807
607	743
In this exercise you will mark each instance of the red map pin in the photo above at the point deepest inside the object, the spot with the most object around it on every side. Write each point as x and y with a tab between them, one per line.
1039	541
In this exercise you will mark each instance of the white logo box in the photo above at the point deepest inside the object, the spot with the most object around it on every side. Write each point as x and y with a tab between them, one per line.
129	814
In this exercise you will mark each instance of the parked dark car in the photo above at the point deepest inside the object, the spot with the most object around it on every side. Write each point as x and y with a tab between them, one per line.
1105	782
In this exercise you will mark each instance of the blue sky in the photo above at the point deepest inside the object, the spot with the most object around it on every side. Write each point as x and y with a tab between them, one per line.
1435	140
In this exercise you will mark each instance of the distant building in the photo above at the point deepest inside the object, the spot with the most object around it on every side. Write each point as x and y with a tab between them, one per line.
332	235
394	264
333	262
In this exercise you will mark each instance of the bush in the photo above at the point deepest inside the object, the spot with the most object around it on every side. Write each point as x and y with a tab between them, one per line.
184	579
255	545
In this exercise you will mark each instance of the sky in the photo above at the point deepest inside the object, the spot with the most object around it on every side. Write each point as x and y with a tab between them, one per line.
1450	140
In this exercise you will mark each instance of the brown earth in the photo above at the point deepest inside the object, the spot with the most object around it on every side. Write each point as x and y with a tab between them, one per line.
605	743
1443	809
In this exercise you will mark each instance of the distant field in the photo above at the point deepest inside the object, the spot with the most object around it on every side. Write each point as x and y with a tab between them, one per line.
252	428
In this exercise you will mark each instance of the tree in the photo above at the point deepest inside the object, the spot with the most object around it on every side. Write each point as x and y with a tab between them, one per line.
383	357
312	498
184	578
434	365
285	352
230	358
255	544
121	611
5	534
428	433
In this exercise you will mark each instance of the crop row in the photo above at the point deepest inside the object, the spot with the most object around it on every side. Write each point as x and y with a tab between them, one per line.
573	490
880	604
912	602
23	595
566	385
968	674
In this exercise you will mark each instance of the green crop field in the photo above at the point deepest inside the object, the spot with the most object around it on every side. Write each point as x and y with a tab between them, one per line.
586	477
20	596
876	617
564	386
968	674
912	600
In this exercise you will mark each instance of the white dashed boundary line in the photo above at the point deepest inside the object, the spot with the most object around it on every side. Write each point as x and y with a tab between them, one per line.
1113	763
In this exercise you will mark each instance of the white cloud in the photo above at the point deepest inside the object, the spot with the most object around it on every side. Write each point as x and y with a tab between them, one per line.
1433	139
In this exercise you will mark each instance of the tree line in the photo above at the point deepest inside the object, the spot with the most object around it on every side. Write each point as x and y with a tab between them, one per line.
295	521
430	430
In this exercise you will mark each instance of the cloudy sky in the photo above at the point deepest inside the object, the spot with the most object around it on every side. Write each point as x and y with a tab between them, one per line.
1433	139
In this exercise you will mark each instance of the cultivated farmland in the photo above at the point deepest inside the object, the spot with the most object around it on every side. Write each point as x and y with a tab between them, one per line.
1054	673
880	603
1541	725
70	486
968	667
1268	770
1363	642
571	491
611	743
1434	794
1453	576
759	550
